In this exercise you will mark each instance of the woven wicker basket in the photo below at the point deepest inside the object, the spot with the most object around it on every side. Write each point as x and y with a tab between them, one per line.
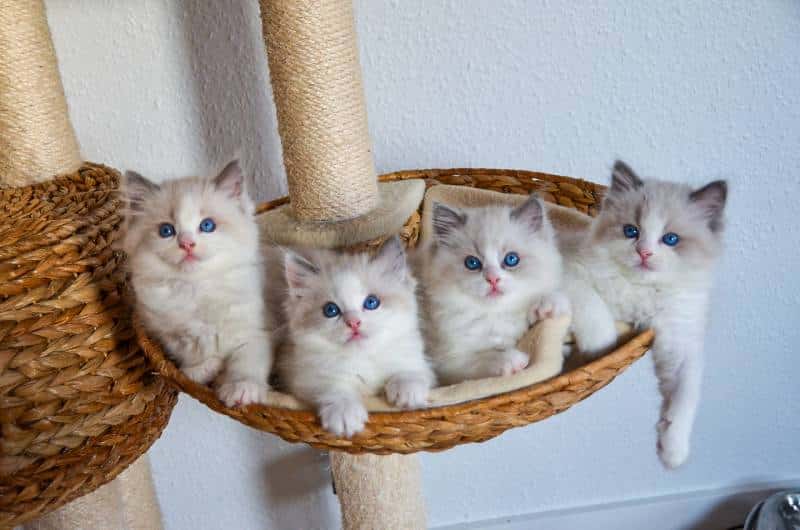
439	428
78	400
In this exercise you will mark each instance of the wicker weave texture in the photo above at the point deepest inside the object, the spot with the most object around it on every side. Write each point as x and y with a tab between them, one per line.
78	400
439	428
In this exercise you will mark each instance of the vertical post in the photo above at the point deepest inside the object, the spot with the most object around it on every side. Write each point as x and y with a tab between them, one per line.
322	117
379	491
36	136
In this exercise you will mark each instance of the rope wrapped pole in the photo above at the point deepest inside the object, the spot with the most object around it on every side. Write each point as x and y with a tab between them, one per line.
336	201
379	491
36	137
322	117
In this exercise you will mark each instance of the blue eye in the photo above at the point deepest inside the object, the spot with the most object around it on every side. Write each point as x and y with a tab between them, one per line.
511	259
331	310
371	302
208	225
630	231
473	263
166	230
671	239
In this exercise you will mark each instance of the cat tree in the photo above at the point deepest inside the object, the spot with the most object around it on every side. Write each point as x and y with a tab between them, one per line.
78	401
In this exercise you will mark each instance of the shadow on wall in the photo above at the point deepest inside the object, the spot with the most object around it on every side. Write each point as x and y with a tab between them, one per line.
225	48
298	486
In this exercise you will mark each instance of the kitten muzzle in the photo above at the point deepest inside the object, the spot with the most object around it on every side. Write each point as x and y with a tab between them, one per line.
187	244
354	323
494	290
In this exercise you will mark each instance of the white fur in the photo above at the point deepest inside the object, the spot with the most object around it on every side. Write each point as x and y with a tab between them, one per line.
605	282
471	333
208	313
323	366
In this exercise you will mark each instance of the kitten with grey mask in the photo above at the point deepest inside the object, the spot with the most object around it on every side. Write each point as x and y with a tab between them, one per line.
487	275
648	259
195	265
353	331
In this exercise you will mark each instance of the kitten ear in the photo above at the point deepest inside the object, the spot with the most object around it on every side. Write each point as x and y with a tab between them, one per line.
136	188
298	269
711	200
231	179
392	257
530	213
623	178
446	220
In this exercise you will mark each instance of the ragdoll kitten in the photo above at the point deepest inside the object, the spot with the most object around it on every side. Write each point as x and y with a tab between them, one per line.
648	259
487	275
195	265
353	331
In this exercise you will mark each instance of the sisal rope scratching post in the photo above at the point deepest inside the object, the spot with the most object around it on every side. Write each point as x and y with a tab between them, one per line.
36	136
313	61
336	201
316	79
379	491
37	142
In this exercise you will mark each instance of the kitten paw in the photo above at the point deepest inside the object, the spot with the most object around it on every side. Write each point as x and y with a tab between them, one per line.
407	391
551	305
204	372
343	417
509	362
673	445
241	393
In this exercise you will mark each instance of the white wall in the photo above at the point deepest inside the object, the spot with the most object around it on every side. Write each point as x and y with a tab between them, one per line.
691	90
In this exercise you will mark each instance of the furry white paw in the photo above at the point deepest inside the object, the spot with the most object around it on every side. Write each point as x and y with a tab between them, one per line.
343	417
204	372
551	305
509	362
241	393
673	445
407	391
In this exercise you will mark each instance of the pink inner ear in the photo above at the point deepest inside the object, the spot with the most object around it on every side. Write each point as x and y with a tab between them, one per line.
294	277
232	187
230	179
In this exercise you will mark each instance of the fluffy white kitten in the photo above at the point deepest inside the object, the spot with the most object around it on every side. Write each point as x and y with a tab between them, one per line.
195	265
487	274
353	331
648	259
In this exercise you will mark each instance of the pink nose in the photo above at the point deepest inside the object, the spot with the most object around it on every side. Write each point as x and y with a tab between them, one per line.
186	244
644	253
493	279
353	323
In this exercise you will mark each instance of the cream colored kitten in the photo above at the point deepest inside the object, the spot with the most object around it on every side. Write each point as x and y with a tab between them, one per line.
648	259
487	275
195	266
353	331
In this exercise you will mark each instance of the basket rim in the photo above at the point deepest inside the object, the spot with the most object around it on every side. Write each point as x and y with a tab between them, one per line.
431	173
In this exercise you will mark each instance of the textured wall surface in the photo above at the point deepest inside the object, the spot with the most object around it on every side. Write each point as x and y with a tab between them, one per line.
692	90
